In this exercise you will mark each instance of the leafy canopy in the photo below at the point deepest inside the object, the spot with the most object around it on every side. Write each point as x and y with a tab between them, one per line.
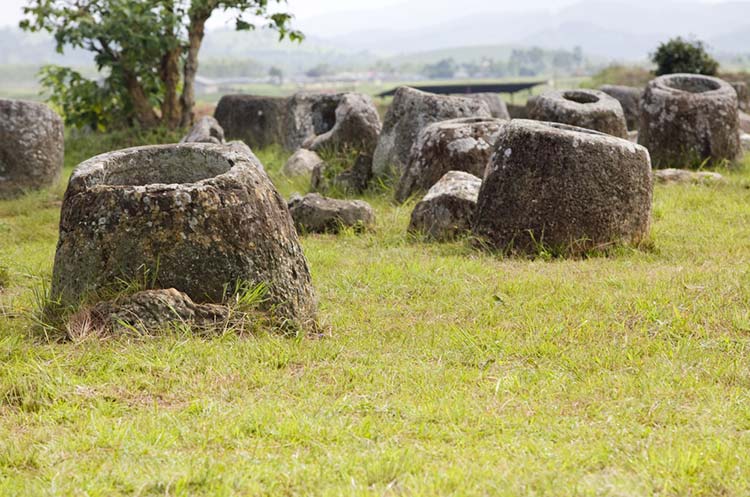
146	50
684	56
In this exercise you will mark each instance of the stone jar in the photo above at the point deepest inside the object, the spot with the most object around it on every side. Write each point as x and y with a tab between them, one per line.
200	218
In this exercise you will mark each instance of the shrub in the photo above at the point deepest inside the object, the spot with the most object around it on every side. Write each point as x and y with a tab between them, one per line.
684	56
620	75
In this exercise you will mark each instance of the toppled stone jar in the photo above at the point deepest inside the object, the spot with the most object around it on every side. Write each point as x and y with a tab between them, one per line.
257	120
31	147
456	145
410	112
688	120
200	218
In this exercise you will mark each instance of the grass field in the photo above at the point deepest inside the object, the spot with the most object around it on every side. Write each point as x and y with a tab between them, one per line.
442	371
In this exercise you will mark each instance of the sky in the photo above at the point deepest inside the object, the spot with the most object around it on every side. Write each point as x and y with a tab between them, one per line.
329	17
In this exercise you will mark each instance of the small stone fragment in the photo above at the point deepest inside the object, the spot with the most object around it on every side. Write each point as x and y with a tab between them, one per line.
447	211
302	163
150	311
314	213
206	130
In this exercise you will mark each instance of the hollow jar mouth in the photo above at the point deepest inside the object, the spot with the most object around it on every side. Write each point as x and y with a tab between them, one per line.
547	125
575	129
580	97
692	84
474	120
163	165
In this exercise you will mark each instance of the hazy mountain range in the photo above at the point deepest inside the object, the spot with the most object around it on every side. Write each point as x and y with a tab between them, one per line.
615	29
611	29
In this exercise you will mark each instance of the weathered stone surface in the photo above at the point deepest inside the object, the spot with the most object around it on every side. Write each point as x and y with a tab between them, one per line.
314	213
150	311
688	120
668	176
498	107
744	122
302	163
309	120
256	120
310	114
411	111
206	130
447	211
743	95
518	111
355	126
31	147
590	109
567	189
630	100
199	218
354	179
457	145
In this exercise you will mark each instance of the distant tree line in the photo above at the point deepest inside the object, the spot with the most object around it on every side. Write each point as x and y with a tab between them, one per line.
529	62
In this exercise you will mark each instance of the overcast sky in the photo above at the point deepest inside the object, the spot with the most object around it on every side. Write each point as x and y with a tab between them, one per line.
321	17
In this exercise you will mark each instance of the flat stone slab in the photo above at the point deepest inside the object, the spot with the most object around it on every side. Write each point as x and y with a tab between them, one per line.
147	312
682	176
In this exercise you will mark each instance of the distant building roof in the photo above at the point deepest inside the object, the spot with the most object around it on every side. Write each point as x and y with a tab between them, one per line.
471	88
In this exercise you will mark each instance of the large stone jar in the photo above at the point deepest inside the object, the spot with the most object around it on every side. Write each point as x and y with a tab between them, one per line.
688	120
31	147
566	190
200	218
590	109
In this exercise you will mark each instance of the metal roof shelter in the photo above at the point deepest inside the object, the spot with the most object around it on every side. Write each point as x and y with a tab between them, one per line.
472	88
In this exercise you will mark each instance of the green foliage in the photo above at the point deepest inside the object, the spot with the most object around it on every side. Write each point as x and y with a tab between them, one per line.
277	75
684	56
617	74
83	102
146	51
484	63
319	71
443	69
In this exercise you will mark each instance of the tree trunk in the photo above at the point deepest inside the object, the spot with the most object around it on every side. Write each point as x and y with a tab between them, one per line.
170	71
144	112
196	32
170	75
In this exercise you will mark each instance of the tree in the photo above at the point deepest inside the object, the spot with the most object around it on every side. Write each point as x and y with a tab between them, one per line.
444	69
684	56
318	71
146	49
276	75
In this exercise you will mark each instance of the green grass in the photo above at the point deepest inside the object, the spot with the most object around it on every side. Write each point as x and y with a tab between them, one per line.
443	371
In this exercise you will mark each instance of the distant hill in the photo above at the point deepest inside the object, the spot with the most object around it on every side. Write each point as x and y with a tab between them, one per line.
609	28
21	48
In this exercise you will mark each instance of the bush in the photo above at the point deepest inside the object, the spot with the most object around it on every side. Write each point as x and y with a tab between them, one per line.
82	102
620	75
684	56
